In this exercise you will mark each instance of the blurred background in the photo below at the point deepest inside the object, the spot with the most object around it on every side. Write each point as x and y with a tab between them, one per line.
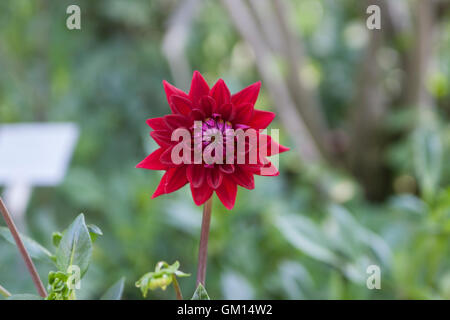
365	112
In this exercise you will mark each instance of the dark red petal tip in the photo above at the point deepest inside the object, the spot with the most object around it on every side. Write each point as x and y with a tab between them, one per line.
180	104
220	93
247	95
172	90
199	87
214	178
227	193
243	113
261	119
152	162
156	123
201	194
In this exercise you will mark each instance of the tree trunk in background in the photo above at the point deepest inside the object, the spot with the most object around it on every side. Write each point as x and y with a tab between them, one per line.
174	42
368	137
305	99
298	107
293	121
273	20
417	95
366	152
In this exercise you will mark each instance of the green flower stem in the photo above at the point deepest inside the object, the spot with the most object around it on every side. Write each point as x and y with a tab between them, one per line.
203	247
23	251
176	286
4	292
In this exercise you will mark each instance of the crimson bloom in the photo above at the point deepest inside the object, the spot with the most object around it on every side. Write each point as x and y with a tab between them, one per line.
216	110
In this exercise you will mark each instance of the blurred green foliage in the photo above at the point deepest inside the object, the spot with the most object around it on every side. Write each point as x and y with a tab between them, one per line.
309	233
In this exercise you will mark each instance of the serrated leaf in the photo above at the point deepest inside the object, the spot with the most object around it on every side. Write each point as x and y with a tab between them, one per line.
25	296
75	247
35	249
115	292
200	293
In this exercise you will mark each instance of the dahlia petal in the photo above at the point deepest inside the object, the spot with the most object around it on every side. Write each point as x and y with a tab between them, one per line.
220	93
156	123
197	115
207	105
214	178
162	137
241	126
243	178
261	119
272	147
195	174
247	95
226	168
172	90
175	121
252	168
201	194
181	104
152	162
161	189
227	192
244	113
166	158
199	88
245	150
226	111
176	179
268	169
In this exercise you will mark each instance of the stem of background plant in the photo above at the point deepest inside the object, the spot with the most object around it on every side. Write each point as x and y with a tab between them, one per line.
23	251
203	247
176	286
4	292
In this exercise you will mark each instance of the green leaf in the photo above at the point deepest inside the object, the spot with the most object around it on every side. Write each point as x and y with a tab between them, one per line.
408	203
115	292
173	269
200	293
357	233
428	153
94	231
153	281
75	247
160	278
181	274
56	238
35	249
305	235
25	296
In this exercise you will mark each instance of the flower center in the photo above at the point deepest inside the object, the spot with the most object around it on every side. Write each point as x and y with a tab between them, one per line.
212	128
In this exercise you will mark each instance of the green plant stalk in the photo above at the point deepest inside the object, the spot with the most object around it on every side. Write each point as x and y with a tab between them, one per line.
4	292
23	251
203	247
176	286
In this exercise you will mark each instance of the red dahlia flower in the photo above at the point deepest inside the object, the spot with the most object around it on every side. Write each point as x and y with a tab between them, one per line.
212	111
